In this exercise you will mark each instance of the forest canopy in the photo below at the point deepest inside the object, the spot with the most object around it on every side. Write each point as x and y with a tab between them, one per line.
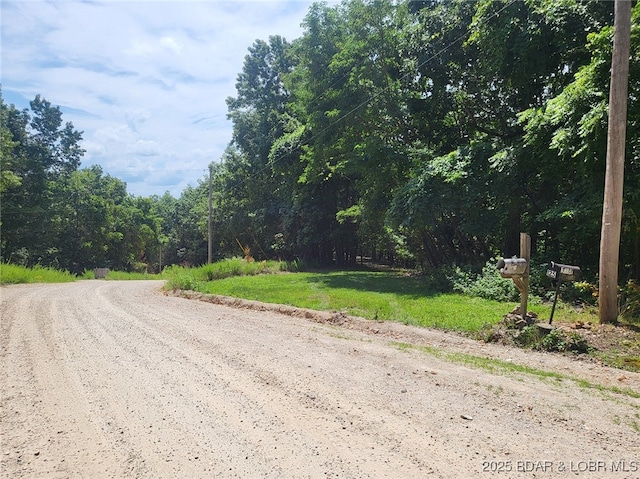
423	133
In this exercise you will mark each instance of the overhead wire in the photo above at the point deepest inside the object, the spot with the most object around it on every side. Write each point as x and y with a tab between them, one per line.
336	121
368	100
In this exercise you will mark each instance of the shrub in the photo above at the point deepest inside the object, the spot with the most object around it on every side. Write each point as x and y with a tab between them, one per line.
580	292
442	279
528	337
181	279
554	341
488	284
577	343
630	301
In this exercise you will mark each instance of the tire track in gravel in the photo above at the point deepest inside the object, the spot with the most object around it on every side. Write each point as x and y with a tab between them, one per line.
47	430
114	379
239	394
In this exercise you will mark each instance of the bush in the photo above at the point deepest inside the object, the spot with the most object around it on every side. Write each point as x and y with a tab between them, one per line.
577	343
580	292
442	279
630	302
556	340
528	337
488	284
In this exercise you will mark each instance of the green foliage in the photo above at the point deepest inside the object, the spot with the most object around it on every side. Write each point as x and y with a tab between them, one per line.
15	274
553	341
124	275
556	340
179	277
58	215
630	301
488	284
579	293
131	276
370	294
442	279
422	134
8	178
528	336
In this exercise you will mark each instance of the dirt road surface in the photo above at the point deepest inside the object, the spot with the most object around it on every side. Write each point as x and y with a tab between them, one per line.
117	380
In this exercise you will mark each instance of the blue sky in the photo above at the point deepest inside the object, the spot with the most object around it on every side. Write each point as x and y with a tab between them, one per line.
146	81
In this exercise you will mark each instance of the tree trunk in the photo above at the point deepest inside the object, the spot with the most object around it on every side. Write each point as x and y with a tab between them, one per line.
614	175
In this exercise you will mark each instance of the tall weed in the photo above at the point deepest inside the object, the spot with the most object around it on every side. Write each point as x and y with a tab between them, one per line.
179	277
15	274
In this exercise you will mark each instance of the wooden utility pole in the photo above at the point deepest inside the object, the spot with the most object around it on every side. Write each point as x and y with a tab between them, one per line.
614	175
525	252
210	233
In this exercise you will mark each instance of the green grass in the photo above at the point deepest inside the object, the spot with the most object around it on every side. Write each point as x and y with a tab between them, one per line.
369	294
14	274
497	366
372	294
122	275
179	277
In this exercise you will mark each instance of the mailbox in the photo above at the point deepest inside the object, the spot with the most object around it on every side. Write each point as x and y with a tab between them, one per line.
512	267
563	272
560	273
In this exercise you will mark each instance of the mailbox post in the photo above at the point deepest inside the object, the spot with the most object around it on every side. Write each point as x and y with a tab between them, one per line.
518	270
559	273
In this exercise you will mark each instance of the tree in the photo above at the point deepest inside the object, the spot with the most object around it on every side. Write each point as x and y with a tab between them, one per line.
54	213
8	178
41	153
568	135
350	124
259	119
521	54
428	132
86	230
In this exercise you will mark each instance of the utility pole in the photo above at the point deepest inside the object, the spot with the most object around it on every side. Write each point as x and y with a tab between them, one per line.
614	175
525	252
210	235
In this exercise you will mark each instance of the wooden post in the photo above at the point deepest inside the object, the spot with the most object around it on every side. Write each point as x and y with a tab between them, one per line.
614	174
210	229
525	252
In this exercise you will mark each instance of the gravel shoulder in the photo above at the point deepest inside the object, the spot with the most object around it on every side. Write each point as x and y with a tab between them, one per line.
116	379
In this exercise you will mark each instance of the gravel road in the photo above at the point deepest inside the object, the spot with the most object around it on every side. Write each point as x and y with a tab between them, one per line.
116	379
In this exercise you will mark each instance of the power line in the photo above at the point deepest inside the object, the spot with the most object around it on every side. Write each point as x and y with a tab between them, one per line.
369	99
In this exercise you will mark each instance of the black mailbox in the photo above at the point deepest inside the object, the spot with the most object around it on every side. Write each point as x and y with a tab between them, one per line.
512	267
563	272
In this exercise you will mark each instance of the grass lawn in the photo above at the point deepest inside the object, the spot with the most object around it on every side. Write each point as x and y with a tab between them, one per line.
369	294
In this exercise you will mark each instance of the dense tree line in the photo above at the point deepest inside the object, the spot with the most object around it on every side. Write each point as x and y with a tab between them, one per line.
426	133
53	213
433	132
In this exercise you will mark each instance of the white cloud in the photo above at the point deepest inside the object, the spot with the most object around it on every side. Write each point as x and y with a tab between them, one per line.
171	43
146	81
144	148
